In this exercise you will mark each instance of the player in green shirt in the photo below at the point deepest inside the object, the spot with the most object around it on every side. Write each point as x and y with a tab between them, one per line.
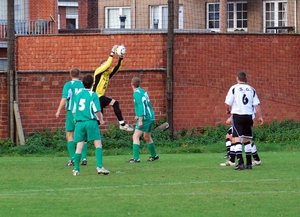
87	112
67	101
145	119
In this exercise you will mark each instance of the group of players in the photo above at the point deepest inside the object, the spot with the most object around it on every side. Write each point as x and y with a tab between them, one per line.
84	102
243	104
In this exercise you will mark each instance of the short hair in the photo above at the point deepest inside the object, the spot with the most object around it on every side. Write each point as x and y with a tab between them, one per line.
242	76
74	72
88	81
136	82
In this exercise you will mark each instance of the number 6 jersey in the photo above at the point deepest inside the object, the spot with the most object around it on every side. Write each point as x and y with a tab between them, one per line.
242	98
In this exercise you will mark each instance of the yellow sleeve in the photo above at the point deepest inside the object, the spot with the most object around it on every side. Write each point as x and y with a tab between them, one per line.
103	68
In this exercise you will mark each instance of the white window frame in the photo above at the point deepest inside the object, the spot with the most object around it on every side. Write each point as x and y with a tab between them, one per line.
234	18
120	13
157	13
68	4
276	15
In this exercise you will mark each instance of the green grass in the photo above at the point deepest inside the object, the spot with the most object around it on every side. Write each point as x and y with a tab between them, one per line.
175	185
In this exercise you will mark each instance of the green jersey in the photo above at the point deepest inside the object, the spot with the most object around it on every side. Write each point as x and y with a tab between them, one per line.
86	105
69	91
142	104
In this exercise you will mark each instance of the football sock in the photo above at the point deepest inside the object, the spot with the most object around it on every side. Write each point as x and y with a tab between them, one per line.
248	151
84	151
118	113
239	153
228	144
136	151
254	152
232	153
99	157
71	149
77	158
151	148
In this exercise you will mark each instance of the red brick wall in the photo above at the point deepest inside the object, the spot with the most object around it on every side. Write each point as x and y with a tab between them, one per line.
3	106
88	14
205	66
63	22
42	9
40	92
83	11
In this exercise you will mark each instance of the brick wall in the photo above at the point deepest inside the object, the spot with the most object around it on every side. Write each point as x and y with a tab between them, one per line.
63	20
83	13
3	106
40	91
42	9
205	66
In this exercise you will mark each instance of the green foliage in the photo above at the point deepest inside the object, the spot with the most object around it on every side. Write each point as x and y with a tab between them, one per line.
287	130
274	136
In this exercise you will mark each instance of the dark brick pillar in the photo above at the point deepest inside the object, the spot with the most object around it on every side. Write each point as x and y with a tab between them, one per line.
88	14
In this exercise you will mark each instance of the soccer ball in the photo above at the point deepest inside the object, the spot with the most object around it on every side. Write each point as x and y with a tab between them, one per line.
121	50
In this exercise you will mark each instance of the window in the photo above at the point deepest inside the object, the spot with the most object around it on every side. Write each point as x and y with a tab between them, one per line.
236	16
20	7
21	15
3	63
159	17
275	14
112	17
71	13
71	17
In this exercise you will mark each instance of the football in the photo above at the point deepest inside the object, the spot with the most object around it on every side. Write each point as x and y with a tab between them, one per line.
121	50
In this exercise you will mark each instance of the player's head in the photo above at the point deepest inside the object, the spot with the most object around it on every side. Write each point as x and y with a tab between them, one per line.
103	62
135	82
88	81
74	73
242	76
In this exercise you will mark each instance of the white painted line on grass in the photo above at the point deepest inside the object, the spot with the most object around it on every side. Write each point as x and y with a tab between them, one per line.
37	191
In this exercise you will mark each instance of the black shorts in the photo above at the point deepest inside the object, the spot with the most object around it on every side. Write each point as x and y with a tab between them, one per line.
104	101
242	126
229	131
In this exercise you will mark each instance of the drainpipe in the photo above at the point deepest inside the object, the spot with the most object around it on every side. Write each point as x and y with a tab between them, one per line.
170	48
134	13
295	16
11	67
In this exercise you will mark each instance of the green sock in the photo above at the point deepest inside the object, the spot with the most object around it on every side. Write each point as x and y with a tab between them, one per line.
136	151
151	148
77	161
71	149
84	151
99	157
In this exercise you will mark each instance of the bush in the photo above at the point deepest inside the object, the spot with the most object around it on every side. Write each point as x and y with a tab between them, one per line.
275	136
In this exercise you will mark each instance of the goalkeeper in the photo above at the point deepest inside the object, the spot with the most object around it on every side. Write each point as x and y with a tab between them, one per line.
102	76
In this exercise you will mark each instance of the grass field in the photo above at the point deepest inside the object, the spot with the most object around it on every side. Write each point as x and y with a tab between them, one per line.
175	185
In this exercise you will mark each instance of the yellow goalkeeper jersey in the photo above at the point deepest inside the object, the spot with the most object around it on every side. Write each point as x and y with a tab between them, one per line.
103	74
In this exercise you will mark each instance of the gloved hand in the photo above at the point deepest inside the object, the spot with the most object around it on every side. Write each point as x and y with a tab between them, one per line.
114	48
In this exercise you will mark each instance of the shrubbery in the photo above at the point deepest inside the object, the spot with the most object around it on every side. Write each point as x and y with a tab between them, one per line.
275	136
